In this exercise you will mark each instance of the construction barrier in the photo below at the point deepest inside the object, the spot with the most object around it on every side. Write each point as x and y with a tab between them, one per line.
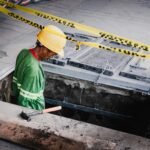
79	27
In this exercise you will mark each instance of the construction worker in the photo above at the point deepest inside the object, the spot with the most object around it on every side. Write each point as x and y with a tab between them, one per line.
28	79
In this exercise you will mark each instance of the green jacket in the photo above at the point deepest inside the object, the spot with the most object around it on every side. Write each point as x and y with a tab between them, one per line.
28	81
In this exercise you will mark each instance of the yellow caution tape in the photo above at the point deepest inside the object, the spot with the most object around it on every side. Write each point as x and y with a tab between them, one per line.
82	27
91	44
18	17
123	51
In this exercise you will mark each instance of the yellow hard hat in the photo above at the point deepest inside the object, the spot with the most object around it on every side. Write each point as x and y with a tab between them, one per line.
53	38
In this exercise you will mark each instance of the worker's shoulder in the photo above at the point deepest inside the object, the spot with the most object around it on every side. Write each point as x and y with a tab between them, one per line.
25	58
25	50
23	53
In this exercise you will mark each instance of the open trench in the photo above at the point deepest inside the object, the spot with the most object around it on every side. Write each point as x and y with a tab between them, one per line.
110	107
95	101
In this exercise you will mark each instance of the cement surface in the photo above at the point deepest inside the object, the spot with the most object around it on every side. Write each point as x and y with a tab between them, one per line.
129	19
71	129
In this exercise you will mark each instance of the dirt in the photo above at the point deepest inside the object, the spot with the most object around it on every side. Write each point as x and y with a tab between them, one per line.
37	139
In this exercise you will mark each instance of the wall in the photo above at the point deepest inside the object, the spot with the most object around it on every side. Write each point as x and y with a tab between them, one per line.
96	96
5	88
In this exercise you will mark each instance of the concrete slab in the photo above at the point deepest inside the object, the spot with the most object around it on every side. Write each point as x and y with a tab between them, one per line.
38	135
137	69
64	128
129	19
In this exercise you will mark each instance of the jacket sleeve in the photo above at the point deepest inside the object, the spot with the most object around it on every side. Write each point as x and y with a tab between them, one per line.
31	90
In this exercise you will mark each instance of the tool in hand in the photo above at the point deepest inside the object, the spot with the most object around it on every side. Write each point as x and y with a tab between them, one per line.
27	116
